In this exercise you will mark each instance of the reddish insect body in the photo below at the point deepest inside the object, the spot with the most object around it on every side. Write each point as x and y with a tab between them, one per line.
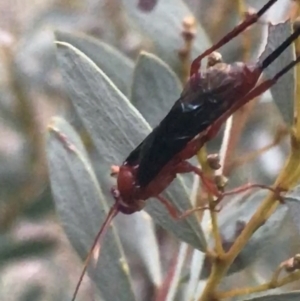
208	99
232	82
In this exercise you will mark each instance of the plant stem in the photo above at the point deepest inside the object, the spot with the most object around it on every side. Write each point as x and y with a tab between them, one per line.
221	267
246	40
297	96
260	288
287	179
202	159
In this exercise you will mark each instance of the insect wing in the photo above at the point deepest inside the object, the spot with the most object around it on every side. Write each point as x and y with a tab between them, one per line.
193	113
185	120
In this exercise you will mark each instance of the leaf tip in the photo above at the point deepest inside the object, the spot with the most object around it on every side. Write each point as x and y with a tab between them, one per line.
61	44
54	123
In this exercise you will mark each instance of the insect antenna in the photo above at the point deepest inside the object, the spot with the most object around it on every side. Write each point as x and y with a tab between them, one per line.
97	241
278	51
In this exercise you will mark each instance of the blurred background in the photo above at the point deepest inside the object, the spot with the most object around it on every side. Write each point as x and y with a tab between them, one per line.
37	261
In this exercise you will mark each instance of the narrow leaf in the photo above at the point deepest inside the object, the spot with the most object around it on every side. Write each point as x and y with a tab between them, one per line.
293	296
292	199
177	274
283	91
195	271
137	234
82	209
155	88
33	293
113	63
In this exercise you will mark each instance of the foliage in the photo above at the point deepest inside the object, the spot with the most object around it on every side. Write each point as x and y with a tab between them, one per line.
109	91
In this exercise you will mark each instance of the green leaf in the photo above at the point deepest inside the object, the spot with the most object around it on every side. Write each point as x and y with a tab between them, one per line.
82	209
283	91
163	26
116	128
113	63
293	296
155	88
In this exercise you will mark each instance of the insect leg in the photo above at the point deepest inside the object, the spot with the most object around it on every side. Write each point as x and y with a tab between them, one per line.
169	206
187	167
173	211
251	19
249	186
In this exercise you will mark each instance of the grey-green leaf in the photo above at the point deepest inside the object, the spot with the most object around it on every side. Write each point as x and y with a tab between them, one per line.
292	199
82	209
195	271
138	234
275	233
163	26
181	258
32	293
283	91
155	88
13	250
115	65
116	128
293	296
